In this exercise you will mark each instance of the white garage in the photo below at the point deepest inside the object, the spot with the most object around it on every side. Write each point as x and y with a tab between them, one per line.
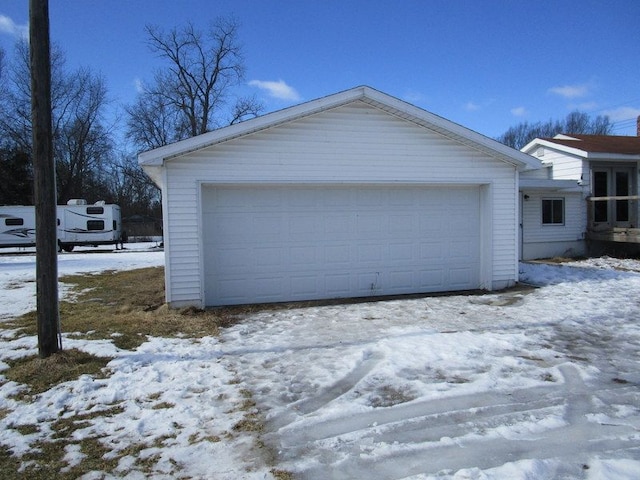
353	195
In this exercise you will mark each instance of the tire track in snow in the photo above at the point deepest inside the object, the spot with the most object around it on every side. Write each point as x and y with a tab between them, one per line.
431	436
506	402
480	454
346	384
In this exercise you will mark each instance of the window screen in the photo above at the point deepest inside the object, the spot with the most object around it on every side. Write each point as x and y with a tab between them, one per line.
553	211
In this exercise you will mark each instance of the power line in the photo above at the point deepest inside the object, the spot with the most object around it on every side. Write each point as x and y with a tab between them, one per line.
610	107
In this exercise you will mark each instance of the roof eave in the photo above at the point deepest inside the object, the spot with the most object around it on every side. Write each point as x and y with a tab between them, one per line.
538	142
613	156
159	155
548	184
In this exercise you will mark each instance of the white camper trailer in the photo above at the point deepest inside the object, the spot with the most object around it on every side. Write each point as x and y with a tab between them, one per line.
78	224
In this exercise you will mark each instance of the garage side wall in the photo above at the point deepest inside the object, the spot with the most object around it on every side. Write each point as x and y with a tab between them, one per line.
352	144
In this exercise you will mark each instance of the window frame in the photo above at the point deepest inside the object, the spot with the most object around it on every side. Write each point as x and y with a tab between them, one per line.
95	210
95	225
14	222
553	223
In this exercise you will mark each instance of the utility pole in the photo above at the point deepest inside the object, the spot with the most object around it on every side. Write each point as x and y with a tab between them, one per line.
44	176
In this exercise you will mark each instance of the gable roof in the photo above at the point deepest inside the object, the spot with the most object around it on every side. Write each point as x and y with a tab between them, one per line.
589	145
375	98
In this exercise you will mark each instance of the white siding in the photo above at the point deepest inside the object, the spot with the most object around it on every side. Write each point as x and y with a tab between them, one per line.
545	241
543	173
352	144
564	166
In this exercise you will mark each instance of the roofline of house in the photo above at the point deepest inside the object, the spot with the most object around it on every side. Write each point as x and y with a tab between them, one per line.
549	184
377	99
536	142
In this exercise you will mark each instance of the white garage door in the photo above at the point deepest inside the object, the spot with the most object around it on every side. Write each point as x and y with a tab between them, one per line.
282	243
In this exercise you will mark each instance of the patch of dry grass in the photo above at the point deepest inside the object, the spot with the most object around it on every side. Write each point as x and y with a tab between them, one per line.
124	307
40	374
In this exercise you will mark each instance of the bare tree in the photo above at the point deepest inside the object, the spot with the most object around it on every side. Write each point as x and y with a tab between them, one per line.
3	81
194	93
83	145
81	142
575	122
152	122
133	189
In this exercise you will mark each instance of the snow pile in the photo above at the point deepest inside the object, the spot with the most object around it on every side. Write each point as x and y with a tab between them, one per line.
528	383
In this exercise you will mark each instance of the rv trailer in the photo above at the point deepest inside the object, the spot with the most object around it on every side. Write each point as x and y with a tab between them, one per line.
78	224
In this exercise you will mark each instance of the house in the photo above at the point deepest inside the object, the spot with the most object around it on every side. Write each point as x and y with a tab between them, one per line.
352	195
586	194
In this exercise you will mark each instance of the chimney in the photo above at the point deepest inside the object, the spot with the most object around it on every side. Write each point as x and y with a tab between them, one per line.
638	126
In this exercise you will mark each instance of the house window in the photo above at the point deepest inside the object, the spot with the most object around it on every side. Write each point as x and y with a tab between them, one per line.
13	222
95	225
553	211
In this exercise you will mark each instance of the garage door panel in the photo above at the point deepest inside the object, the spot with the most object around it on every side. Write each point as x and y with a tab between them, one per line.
338	284
232	290
401	252
339	254
432	252
305	286
370	225
432	279
303	255
460	277
270	257
238	259
461	251
264	244
370	255
402	223
400	280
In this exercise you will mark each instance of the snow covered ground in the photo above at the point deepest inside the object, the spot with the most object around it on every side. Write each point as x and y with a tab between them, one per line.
530	383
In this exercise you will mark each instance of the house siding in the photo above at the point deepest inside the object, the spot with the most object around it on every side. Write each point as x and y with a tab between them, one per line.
543	241
351	144
565	166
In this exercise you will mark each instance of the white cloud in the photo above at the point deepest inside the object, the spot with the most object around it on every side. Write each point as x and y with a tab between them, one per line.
471	106
622	113
279	89
138	85
7	25
519	111
571	91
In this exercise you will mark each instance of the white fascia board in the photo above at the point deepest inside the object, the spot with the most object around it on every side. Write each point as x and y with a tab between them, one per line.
613	157
537	142
549	184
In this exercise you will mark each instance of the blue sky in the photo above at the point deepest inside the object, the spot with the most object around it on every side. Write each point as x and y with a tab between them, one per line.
486	64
